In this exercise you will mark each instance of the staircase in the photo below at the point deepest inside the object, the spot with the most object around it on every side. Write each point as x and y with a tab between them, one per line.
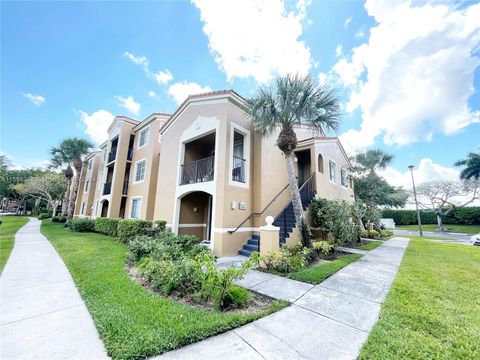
253	244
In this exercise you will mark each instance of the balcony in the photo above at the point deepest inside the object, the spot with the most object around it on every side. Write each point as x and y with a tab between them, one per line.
112	155
130	154
238	170
198	171
107	188
125	188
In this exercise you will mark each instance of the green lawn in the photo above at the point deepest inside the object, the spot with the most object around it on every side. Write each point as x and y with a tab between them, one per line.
132	322
316	274
370	245
467	229
433	308
9	227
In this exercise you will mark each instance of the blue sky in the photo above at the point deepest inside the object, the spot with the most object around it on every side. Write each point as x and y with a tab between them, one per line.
408	86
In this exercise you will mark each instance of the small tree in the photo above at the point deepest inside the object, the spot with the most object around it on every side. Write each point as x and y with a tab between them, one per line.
442	196
50	188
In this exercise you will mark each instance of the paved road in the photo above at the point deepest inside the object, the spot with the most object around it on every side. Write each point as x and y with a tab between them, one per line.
331	320
456	237
42	315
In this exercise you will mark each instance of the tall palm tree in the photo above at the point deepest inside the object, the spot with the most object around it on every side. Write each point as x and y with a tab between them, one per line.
472	163
293	100
73	150
372	160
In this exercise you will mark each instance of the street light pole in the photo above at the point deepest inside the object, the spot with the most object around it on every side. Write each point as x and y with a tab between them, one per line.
416	202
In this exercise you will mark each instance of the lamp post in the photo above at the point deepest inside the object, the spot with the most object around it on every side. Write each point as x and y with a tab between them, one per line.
416	202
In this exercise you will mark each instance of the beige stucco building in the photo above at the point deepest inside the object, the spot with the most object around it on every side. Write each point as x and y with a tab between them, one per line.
206	172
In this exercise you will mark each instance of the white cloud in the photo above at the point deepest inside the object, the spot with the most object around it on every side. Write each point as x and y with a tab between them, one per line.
181	90
97	124
347	22
414	76
253	38
339	50
35	99
139	60
129	103
360	34
153	95
163	77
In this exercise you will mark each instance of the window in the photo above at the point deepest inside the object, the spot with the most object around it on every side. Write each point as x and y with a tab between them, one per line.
140	171
320	163
135	211
87	183
238	171
89	164
83	208
239	156
144	134
343	177
332	167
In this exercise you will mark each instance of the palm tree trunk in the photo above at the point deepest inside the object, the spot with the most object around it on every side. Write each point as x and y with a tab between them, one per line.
77	164
294	191
66	197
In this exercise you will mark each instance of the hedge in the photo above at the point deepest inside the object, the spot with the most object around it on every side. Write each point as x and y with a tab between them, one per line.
107	226
81	225
129	228
462	216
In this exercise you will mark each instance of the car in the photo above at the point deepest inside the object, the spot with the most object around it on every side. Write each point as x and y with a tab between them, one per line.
475	240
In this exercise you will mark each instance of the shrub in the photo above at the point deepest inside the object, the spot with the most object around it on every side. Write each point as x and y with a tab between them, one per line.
106	226
238	296
160	225
288	258
322	247
374	234
365	234
142	246
129	228
81	225
59	219
43	216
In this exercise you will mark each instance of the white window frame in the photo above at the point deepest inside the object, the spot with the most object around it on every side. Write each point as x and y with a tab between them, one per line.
334	181
139	198
246	154
344	171
147	137
135	181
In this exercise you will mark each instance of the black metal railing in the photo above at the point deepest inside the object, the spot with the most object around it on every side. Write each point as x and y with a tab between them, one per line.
130	154
112	155
198	171
125	188
307	190
238	171
107	188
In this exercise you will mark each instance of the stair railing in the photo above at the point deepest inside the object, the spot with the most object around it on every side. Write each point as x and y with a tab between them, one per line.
259	213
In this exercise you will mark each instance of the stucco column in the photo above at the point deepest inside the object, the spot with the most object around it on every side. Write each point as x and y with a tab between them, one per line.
269	237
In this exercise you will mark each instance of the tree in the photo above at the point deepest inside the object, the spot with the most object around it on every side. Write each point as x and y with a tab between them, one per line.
443	196
60	160
50	188
472	169
10	178
372	160
292	101
72	150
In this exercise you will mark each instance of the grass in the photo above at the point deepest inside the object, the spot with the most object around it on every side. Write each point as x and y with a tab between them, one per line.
132	322
370	245
317	273
432	310
466	229
9	227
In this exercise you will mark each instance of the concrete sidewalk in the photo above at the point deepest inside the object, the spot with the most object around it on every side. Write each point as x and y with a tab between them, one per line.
42	315
331	320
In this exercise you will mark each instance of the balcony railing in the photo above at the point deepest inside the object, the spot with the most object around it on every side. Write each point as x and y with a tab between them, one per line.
198	171
238	171
107	188
125	188
112	155
130	154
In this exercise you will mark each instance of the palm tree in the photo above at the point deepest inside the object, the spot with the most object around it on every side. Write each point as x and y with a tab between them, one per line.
71	151
472	164
60	161
371	160
293	100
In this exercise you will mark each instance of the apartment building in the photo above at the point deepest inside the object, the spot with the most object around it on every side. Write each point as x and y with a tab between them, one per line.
206	172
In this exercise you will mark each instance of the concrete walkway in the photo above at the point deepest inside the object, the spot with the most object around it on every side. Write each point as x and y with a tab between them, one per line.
42	315
331	320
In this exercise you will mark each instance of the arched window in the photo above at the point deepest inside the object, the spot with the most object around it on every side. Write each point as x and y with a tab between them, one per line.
320	163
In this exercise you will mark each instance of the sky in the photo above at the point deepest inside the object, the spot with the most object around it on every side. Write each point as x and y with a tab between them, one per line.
407	73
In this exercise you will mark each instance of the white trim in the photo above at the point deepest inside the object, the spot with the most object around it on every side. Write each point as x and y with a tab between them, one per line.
140	207
192	225
135	172
146	128
246	155
242	229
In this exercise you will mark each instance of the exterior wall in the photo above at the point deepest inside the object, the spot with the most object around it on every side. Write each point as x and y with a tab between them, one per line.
91	175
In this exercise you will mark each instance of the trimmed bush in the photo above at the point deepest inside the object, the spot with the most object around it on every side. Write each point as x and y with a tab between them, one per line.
160	225
81	225
462	216
106	226
59	219
128	229
43	216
